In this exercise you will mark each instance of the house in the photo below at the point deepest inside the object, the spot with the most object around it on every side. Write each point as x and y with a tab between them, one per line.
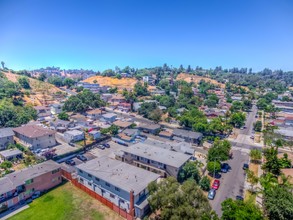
117	98
122	124
35	137
93	87
73	136
43	112
106	97
124	106
188	136
286	132
156	159
11	154
128	135
136	106
6	137
94	114
119	183
21	185
56	109
95	134
109	117
61	125
149	128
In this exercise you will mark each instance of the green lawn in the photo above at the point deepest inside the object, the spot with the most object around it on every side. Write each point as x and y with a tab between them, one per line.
65	202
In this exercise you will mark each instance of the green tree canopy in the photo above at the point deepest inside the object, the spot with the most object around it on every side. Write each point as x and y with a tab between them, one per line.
189	171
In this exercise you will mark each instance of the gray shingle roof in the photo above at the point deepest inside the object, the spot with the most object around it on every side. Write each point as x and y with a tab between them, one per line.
119	174
168	157
10	152
186	133
6	132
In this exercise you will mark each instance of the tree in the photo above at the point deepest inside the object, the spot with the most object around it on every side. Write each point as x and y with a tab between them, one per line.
113	90
68	82
278	203
214	167
23	81
141	89
42	77
3	64
170	200
155	115
6	165
255	155
258	126
237	119
234	210
63	116
252	179
271	164
205	183
220	151
189	171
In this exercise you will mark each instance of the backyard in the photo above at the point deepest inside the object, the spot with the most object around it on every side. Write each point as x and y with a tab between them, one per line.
66	202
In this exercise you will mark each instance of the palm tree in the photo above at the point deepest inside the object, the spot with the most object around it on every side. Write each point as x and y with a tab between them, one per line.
2	63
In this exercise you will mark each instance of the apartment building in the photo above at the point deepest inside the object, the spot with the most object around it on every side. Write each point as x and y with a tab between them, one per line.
20	185
6	137
156	159
120	183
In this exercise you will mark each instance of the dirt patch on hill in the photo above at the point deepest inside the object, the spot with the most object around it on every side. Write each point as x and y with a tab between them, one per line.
196	79
127	83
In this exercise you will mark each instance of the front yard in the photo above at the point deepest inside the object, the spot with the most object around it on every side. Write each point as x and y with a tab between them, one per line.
64	203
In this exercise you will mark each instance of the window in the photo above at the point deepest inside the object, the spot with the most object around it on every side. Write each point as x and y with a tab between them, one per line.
97	179
107	184
55	171
80	171
112	196
89	175
117	189
121	201
29	181
89	183
81	180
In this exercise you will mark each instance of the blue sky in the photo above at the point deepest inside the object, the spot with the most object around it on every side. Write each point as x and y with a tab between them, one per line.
143	33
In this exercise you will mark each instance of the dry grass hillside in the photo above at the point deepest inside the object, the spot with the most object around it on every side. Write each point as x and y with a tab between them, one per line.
127	83
41	92
196	79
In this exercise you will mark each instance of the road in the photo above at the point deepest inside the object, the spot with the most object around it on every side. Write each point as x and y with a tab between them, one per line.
232	183
250	119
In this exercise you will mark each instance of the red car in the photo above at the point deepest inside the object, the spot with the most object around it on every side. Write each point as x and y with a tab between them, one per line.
216	184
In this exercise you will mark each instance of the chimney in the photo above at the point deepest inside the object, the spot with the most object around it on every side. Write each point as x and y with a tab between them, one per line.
131	208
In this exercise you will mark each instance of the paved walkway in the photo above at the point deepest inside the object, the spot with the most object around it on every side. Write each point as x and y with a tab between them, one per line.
8	214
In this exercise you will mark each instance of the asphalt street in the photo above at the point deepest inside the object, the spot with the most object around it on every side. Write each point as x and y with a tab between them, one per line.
231	183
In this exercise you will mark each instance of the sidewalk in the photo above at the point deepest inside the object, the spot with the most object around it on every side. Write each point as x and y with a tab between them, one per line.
10	213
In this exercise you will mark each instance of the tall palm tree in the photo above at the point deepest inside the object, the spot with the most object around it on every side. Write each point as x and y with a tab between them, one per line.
3	64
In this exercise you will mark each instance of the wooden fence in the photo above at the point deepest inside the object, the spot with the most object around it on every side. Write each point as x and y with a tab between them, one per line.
93	194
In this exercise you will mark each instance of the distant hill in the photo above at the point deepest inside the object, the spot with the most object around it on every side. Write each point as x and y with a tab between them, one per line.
122	83
41	92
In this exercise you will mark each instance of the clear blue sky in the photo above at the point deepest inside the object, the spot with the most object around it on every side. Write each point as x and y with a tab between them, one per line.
142	33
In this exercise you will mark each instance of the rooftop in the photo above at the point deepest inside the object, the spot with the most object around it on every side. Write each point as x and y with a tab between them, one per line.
6	132
74	132
10	152
119	174
168	157
12	180
149	126
186	133
122	124
33	131
109	115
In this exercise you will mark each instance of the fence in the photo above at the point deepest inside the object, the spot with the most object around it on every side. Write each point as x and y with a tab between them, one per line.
93	194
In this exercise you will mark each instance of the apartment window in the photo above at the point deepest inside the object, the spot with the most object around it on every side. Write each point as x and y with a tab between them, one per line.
121	201
81	180
108	184
80	171
89	175
117	189
55	171
97	179
90	184
29	181
112	196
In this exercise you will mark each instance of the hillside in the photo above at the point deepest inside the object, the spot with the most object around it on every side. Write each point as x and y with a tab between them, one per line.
196	79
127	83
42	93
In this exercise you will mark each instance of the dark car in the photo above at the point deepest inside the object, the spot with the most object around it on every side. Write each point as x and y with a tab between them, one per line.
239	198
107	145
245	166
81	157
212	194
70	162
225	167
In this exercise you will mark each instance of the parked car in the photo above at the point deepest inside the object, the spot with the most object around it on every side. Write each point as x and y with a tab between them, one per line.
70	162
239	198
216	184
212	194
244	127
81	157
225	167
107	145
245	166
251	137
101	147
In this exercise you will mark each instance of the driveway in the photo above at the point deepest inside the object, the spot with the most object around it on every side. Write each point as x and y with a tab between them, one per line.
232	183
